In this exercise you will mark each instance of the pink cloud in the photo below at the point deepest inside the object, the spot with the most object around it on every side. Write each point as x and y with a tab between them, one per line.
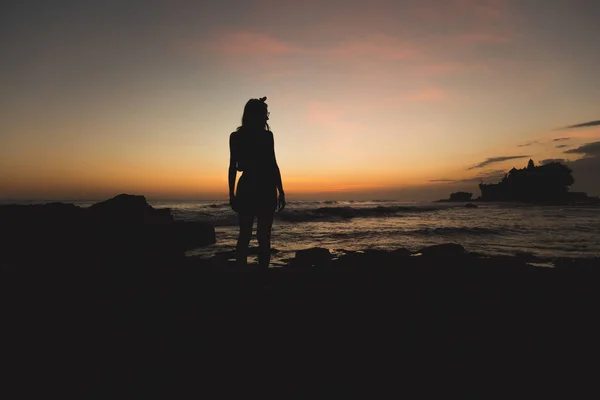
489	9
253	43
380	47
451	67
341	131
429	94
482	38
477	11
327	115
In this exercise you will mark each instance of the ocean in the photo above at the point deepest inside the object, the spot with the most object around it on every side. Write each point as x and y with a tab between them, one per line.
340	226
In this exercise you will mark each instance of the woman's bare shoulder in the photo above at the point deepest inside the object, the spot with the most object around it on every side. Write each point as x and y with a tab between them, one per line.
234	136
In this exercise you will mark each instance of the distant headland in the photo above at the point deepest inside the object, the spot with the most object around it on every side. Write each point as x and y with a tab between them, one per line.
548	183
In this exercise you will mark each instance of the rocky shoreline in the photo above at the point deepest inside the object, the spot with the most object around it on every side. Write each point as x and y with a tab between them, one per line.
127	231
124	229
128	308
451	254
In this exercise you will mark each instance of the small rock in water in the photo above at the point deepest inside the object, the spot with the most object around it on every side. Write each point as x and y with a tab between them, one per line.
471	205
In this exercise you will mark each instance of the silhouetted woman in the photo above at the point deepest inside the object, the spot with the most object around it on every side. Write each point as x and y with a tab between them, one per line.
252	151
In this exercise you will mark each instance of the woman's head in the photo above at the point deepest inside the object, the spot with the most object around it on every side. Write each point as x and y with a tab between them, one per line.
256	114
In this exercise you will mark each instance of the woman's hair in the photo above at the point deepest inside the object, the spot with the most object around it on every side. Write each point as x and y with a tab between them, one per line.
255	115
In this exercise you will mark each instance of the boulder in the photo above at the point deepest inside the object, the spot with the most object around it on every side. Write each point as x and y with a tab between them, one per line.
383	257
193	234
314	257
128	209
120	230
443	250
16	216
461	196
374	258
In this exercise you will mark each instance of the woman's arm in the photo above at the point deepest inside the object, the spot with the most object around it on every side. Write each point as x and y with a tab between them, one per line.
232	176
278	179
278	182
232	172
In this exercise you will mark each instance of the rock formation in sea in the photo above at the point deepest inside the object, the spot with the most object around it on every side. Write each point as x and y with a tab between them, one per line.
459	196
543	183
547	183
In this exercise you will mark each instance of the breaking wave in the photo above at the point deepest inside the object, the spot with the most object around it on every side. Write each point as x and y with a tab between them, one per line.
332	213
453	231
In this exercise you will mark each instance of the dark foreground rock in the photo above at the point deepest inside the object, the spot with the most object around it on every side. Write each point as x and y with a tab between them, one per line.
386	320
443	250
124	229
376	318
316	257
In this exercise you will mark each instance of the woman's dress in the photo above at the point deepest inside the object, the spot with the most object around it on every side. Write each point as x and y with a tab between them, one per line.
254	154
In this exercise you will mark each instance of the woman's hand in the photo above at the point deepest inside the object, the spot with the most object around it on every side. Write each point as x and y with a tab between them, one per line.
281	201
233	202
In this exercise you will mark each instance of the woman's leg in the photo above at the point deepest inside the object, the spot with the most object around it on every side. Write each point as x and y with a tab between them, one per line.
263	232
241	250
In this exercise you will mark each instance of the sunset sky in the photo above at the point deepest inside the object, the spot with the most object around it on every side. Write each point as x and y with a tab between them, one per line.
402	99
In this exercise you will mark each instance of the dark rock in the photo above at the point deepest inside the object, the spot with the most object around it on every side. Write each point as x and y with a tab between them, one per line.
128	209
578	264
193	234
445	249
526	256
12	215
314	257
471	205
373	258
458	197
543	184
122	230
402	252
461	196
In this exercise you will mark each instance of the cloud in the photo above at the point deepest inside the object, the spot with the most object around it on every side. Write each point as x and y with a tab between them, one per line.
562	146
485	176
251	46
588	150
343	130
561	139
528	144
380	47
441	67
255	44
493	160
478	11
551	160
252	43
482	38
586	170
430	94
583	125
